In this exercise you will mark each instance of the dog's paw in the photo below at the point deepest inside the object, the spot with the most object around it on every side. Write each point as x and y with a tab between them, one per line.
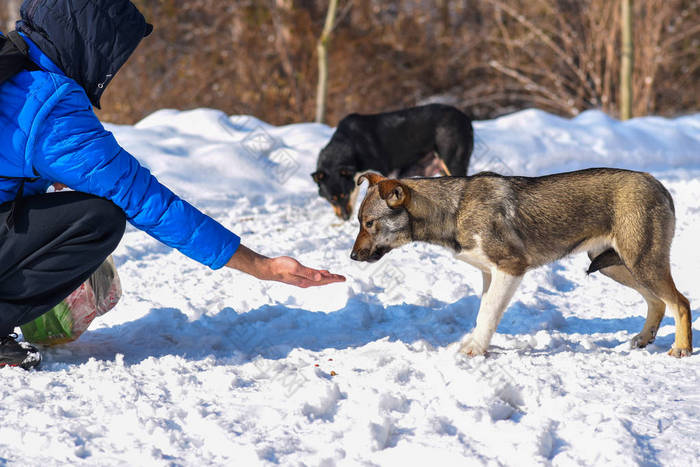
678	353
641	340
471	348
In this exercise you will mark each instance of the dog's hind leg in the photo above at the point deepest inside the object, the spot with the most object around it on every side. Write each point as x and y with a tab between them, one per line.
652	273
642	238
493	303
664	288
453	154
655	313
655	307
683	343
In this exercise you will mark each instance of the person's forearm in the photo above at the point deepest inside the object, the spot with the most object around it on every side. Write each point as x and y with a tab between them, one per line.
250	262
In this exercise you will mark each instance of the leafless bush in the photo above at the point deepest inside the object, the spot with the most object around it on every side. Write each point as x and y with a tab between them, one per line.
488	57
566	53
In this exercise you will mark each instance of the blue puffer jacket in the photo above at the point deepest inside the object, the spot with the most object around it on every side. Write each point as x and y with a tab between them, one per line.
49	130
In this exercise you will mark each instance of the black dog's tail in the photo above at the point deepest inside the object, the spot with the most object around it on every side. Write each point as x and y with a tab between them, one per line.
606	259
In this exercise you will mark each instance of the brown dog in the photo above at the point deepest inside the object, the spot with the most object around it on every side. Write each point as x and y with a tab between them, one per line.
506	226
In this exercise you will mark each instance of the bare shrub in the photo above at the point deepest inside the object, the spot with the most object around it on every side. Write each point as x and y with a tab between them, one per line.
488	57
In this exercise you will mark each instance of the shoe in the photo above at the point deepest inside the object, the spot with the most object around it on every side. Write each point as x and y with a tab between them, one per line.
21	354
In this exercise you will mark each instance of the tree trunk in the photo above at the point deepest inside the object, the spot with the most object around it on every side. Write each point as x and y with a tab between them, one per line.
322	49
627	61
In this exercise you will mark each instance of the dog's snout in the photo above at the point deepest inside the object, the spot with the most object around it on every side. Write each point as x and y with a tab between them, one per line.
342	210
359	255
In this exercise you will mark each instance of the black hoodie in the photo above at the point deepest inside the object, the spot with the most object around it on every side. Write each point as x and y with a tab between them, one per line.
89	40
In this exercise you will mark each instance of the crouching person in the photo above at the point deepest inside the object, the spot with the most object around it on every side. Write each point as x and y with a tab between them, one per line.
62	57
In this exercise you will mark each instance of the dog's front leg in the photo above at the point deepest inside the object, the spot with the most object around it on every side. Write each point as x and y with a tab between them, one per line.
493	303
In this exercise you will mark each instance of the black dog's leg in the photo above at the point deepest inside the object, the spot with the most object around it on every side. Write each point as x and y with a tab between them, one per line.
454	144
455	156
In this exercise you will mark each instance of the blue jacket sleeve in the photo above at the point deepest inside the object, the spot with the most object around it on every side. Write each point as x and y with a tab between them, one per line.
71	146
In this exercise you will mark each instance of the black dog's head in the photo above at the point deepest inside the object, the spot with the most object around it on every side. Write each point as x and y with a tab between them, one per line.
335	177
337	187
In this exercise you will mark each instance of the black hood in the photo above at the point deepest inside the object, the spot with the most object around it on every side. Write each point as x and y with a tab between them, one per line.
88	39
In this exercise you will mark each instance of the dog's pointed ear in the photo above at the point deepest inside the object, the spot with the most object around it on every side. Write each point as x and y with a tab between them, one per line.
372	177
395	193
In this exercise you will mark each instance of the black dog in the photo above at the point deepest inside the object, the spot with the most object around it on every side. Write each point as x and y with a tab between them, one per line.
419	141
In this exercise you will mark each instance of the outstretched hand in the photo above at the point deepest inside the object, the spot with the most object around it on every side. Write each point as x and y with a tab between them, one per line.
290	271
281	269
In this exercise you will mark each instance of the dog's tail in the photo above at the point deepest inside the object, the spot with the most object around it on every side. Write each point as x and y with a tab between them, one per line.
606	259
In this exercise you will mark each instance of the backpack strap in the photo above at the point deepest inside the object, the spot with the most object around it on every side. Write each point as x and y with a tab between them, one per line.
14	56
18	42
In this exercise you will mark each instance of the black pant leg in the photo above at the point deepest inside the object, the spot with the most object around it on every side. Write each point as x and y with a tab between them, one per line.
57	242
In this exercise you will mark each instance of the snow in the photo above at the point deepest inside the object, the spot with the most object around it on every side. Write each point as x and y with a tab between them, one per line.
202	367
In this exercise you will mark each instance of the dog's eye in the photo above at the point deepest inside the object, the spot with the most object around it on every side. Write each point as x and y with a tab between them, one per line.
347	173
369	224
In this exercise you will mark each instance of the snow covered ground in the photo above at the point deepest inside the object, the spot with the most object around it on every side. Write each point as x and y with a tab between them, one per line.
201	367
